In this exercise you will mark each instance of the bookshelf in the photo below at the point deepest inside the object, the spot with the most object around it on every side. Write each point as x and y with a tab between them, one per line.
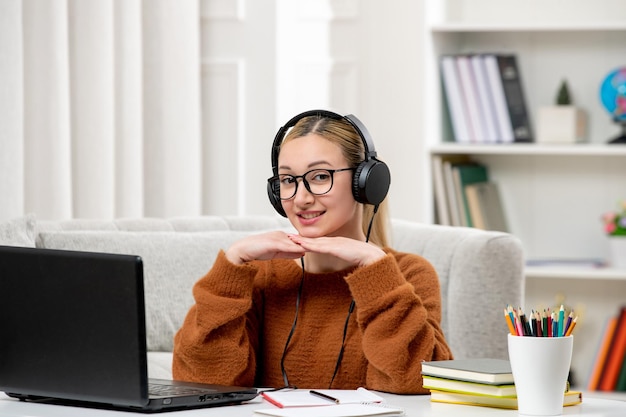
553	195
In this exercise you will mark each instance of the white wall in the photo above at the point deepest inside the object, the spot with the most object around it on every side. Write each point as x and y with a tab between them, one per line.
104	115
266	60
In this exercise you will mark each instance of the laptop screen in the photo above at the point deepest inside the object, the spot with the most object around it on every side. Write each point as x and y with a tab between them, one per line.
72	325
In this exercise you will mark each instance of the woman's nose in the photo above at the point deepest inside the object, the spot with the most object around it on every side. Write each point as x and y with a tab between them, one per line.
303	195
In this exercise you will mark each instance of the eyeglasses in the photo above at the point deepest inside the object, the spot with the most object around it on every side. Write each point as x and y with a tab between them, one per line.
316	181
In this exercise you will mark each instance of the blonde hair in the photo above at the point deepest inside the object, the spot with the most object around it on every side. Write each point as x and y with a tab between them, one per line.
341	133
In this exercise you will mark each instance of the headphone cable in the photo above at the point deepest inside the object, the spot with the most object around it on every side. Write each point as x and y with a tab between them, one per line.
350	309
293	328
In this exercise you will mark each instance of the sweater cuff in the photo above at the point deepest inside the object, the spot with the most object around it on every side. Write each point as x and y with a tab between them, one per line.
369	283
229	280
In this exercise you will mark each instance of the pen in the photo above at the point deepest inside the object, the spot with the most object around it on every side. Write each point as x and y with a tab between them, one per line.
324	396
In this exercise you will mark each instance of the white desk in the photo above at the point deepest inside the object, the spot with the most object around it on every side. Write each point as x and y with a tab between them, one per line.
415	406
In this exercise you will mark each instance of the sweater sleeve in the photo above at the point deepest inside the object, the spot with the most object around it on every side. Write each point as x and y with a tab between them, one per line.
220	327
398	301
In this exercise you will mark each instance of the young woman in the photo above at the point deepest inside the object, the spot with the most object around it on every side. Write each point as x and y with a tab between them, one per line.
331	306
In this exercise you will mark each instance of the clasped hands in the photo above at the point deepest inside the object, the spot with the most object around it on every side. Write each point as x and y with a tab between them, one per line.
282	245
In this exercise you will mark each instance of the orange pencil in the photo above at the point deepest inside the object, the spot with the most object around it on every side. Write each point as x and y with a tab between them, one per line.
570	329
568	323
516	321
507	317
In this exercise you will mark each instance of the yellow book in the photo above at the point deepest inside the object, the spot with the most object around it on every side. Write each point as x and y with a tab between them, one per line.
569	398
464	387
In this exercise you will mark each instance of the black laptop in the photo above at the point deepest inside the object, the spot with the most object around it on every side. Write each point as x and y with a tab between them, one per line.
72	331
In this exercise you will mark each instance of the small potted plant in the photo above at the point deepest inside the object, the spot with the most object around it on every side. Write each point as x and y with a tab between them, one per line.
614	223
563	122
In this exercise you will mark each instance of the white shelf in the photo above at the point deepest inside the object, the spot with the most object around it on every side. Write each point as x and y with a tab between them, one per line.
553	195
583	149
552	27
578	273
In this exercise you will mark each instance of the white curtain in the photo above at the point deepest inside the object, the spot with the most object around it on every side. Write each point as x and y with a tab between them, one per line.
100	108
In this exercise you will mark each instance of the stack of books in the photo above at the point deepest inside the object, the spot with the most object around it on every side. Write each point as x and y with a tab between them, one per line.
464	194
609	368
485	98
481	382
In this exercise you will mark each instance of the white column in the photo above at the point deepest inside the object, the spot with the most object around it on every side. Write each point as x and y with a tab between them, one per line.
128	109
92	107
172	107
11	111
46	110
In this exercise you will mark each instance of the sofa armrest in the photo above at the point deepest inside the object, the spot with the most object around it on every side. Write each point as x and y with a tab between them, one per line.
480	272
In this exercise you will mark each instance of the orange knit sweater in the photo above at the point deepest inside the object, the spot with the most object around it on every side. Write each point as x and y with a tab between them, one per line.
236	332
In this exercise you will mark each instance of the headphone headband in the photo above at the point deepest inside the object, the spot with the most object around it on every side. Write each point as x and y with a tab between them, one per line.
371	178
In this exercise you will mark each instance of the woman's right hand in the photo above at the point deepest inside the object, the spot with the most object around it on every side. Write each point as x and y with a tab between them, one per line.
264	246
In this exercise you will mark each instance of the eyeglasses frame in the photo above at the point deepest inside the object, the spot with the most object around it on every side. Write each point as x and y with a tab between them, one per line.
305	182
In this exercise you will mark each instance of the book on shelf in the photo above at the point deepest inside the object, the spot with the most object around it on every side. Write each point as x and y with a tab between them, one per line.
501	111
485	98
481	370
601	353
465	174
454	204
485	206
615	355
471	99
506	83
621	380
442	202
466	387
569	398
454	99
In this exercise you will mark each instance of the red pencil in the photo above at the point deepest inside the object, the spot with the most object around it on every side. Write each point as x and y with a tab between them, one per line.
549	317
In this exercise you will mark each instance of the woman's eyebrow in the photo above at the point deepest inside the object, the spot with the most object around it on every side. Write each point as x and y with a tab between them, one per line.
311	165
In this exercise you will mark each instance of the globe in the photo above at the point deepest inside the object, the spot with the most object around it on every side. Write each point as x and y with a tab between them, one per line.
613	97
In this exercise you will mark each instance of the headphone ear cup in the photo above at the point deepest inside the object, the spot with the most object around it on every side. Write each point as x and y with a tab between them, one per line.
275	200
370	182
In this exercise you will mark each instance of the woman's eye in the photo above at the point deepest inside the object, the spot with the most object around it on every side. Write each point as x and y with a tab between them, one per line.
321	176
287	180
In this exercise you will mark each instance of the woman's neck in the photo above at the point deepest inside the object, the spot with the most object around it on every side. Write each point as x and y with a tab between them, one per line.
318	263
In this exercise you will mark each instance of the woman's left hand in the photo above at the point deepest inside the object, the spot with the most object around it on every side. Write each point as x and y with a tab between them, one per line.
353	251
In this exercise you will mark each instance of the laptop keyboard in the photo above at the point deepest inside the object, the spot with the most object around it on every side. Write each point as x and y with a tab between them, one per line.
161	390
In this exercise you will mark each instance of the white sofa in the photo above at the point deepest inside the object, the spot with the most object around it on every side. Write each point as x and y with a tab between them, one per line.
480	272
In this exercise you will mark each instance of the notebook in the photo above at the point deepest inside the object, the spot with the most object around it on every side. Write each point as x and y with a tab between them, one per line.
73	331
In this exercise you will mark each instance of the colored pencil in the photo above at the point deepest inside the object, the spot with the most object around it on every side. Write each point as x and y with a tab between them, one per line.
509	323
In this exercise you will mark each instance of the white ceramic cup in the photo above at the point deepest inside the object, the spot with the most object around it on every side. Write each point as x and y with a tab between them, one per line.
540	367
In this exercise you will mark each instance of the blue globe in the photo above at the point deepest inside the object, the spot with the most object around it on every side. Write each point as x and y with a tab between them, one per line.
613	94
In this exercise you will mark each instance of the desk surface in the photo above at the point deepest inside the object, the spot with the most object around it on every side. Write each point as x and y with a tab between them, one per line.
415	406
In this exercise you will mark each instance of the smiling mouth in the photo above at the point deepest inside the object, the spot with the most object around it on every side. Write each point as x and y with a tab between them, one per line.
309	215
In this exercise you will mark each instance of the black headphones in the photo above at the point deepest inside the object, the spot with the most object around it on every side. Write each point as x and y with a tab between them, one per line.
371	179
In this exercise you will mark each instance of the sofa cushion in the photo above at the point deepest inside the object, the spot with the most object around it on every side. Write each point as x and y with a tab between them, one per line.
479	272
18	232
173	262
